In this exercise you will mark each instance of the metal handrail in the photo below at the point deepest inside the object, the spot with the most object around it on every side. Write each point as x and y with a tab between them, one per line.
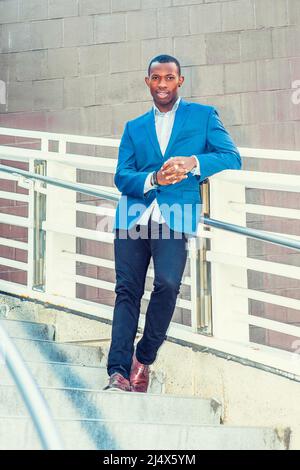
31	394
60	183
252	233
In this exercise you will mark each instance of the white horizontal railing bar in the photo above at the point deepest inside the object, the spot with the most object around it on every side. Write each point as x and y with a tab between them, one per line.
101	189
14	220
270	267
269	324
106	263
88	234
95	235
261	296
84	162
113	142
260	180
13	243
10	177
14	196
72	138
13	263
100	284
100	262
289	155
266	210
98	210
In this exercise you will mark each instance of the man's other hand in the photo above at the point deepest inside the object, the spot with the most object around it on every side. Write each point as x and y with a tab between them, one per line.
175	169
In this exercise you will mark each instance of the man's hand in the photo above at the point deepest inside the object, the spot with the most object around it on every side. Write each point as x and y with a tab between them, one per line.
175	169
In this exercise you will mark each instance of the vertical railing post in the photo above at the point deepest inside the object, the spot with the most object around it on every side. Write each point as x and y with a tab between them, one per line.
61	226
39	241
205	317
228	310
193	252
200	273
31	229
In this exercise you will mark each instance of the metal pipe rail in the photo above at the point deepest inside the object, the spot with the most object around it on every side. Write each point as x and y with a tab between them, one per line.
252	233
248	232
30	392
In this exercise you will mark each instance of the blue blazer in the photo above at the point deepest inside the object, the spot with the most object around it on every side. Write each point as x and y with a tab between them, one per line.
198	131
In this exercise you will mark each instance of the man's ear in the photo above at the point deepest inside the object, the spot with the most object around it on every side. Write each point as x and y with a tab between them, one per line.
147	81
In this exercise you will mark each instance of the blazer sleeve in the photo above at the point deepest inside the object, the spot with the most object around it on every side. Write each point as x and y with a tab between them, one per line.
222	153
128	179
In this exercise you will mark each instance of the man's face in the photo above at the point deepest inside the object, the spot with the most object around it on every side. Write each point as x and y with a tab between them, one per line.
163	82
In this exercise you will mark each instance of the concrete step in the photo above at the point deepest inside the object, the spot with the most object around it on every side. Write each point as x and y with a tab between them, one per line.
111	435
26	329
114	405
58	374
50	351
61	375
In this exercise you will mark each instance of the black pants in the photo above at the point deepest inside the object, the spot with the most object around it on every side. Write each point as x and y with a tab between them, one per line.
132	257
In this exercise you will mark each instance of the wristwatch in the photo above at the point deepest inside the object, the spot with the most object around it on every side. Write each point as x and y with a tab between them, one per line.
153	179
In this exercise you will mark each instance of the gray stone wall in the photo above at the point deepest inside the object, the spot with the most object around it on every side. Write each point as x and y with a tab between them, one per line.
78	66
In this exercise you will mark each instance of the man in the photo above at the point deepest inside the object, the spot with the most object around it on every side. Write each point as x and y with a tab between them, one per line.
163	156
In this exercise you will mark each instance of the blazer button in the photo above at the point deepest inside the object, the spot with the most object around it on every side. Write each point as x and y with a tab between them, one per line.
158	190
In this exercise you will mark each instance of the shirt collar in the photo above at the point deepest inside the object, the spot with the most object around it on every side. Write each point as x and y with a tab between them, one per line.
173	110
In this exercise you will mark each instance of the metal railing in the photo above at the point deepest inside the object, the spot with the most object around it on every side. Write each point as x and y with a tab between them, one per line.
219	293
30	392
248	232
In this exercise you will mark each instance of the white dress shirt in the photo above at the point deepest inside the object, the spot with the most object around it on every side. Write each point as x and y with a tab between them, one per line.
163	124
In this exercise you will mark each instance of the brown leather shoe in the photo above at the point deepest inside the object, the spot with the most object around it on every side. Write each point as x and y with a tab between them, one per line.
139	376
118	382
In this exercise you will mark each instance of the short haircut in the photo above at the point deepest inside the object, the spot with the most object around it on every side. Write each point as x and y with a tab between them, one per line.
163	59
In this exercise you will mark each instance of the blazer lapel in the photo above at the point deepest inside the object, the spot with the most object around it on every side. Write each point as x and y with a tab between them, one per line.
180	118
150	127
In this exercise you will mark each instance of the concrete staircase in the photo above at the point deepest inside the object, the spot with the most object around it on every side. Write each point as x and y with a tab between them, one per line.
71	378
